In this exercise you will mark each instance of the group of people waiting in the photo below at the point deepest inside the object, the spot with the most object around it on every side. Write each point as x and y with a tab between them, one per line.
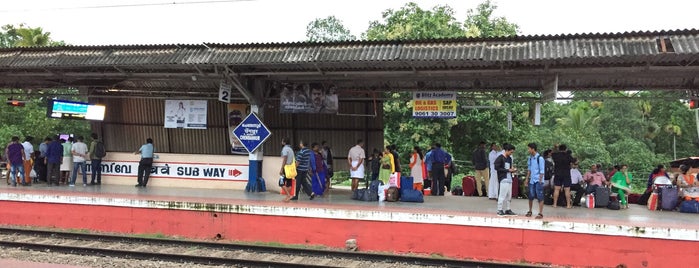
312	167
56	162
549	174
432	170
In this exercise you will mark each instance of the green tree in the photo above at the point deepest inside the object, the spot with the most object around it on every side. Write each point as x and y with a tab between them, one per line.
31	37
25	36
413	22
580	119
327	30
459	135
482	21
8	36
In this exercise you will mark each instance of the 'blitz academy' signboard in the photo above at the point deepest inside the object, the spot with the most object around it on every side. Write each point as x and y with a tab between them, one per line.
434	104
251	132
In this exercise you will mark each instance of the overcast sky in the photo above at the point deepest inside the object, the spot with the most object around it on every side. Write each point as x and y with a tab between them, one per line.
89	22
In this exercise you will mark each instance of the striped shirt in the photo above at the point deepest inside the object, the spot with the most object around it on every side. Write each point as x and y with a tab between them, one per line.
303	159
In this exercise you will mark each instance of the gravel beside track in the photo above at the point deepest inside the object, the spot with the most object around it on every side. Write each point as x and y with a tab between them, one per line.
97	250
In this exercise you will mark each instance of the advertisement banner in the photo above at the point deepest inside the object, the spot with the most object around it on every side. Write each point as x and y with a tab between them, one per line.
189	114
236	113
177	170
308	98
434	104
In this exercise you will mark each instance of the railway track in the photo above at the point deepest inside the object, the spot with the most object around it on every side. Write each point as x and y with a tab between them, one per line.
214	253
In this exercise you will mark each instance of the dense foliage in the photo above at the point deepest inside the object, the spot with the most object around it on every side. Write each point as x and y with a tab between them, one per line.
31	120
614	129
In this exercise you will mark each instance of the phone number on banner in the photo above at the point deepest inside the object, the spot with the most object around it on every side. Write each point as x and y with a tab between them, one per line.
434	114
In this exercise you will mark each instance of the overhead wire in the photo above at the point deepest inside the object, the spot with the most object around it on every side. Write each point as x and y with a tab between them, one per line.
125	5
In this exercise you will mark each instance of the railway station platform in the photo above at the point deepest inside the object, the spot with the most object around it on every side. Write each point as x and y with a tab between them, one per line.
448	226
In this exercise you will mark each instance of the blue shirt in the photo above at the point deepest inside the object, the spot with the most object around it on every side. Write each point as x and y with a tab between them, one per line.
440	156
535	164
428	160
43	148
54	152
147	150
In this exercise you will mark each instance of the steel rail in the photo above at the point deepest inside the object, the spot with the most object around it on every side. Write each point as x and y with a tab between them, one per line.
378	257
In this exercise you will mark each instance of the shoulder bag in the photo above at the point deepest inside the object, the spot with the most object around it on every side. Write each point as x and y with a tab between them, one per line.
290	170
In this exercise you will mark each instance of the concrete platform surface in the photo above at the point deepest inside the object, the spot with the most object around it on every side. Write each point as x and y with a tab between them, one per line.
636	215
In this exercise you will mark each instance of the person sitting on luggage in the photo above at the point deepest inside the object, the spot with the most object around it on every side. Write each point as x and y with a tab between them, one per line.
594	179
576	183
621	181
687	184
659	171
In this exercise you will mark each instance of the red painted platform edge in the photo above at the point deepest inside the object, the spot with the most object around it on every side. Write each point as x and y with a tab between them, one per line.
463	242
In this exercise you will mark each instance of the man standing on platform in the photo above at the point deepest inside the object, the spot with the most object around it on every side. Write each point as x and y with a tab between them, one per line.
504	167
53	160
96	154
40	164
493	184
328	159
440	158
15	155
536	166
355	159
303	163
79	152
147	152
28	151
480	162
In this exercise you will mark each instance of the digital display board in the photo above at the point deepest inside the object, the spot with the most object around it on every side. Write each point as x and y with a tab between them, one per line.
75	110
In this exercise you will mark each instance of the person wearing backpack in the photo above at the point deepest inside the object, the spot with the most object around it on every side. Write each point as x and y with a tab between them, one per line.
96	153
535	179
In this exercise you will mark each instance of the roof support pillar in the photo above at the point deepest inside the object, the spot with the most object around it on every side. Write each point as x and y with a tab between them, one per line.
550	89
253	91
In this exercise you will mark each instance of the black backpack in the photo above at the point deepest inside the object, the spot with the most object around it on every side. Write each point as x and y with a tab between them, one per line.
457	190
548	170
100	152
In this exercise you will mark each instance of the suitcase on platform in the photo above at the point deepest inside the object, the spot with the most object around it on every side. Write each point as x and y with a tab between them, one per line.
590	201
669	198
653	201
406	183
689	206
515	187
411	195
468	183
602	197
633	198
392	194
614	205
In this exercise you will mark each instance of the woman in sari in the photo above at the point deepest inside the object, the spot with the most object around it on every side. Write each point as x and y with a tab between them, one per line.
620	184
387	166
318	170
417	168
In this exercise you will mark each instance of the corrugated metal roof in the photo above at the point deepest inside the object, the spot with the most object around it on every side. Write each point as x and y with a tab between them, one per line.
585	48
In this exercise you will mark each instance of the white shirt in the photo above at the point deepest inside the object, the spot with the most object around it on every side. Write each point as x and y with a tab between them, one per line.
575	176
491	158
79	148
28	149
356	153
